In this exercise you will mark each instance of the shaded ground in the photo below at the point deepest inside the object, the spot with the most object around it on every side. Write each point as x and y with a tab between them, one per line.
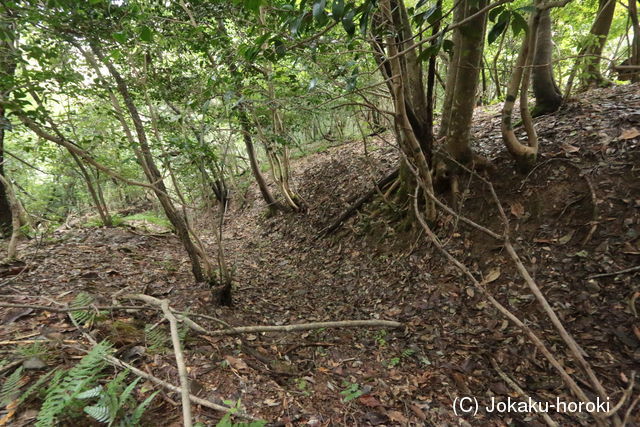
575	215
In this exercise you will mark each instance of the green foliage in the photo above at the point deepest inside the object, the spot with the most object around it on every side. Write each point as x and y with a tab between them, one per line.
64	394
40	350
83	317
116	402
351	391
226	420
156	339
11	387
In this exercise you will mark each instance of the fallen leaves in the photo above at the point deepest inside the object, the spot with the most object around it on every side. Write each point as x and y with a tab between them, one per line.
629	133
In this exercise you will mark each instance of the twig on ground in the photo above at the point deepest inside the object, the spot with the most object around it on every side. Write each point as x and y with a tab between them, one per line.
519	389
615	273
307	327
83	308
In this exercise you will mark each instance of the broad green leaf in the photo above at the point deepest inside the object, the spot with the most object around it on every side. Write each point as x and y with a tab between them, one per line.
347	22
146	35
496	31
319	14
337	10
120	37
518	23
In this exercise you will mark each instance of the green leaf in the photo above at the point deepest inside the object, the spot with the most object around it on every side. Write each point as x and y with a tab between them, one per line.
120	37
347	22
493	13
253	5
337	10
518	23
433	14
319	14
496	31
146	35
528	9
294	25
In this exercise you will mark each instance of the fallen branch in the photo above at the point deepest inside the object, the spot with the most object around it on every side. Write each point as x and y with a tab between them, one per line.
307	327
519	389
615	273
177	349
83	308
355	206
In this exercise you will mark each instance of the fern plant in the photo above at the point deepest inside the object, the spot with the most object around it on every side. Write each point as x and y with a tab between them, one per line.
83	317
62	396
234	407
156	339
114	400
11	387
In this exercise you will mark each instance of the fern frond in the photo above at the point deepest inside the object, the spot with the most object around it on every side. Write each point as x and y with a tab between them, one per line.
11	387
156	339
83	317
91	393
38	384
83	375
126	394
139	411
99	413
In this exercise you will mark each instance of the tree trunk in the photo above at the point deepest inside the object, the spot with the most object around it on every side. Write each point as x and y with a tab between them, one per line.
14	205
462	80
151	170
634	58
547	93
7	71
102	211
524	155
272	204
599	31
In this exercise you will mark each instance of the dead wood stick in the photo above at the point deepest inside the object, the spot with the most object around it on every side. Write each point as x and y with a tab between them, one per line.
519	389
307	327
615	273
83	308
351	210
198	401
177	350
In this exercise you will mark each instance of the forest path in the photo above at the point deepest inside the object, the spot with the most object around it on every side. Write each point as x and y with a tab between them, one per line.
369	269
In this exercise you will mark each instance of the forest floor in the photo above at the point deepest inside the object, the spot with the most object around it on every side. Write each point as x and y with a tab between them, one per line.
574	216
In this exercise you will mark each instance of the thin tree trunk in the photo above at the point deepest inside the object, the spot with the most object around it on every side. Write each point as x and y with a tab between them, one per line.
547	93
104	215
151	170
635	44
14	205
7	71
462	80
272	204
600	32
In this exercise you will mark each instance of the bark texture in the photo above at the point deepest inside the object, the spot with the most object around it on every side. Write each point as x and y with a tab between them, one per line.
462	80
599	31
7	71
545	89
